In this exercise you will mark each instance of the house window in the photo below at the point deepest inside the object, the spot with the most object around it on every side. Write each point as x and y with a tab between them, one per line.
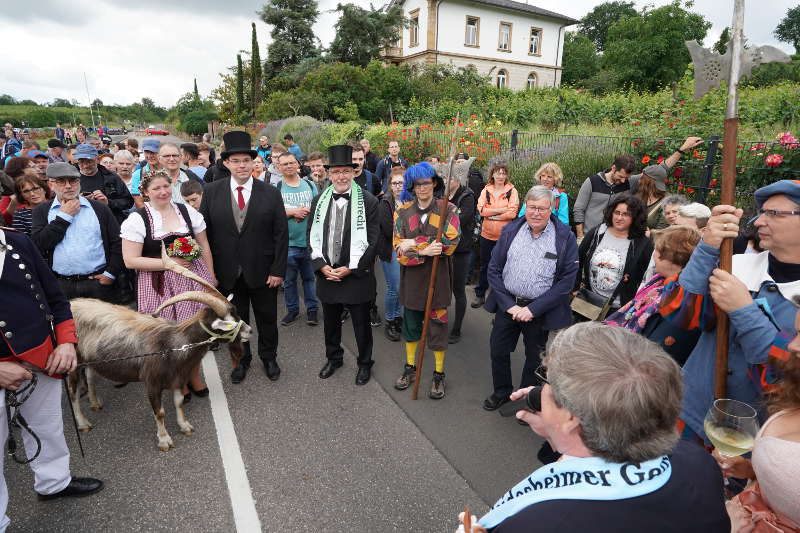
413	28
472	31
532	80
535	46
502	79
504	42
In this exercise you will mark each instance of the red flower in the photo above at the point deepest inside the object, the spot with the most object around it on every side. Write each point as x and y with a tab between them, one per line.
473	116
660	159
678	172
186	248
713	183
471	133
645	159
697	154
773	160
690	190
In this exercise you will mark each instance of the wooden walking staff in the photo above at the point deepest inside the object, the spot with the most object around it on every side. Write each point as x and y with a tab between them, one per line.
710	69
432	281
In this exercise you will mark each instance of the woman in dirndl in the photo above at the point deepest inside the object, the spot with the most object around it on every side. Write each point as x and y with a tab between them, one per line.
162	220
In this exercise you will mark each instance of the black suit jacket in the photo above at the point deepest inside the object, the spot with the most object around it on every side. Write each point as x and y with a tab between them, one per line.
46	235
262	247
359	286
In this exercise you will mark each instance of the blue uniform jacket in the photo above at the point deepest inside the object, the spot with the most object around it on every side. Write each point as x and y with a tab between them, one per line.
552	306
30	300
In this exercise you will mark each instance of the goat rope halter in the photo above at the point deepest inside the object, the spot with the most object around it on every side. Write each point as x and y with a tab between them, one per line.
227	336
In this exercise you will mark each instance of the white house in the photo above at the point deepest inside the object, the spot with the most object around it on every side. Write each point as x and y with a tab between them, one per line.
519	45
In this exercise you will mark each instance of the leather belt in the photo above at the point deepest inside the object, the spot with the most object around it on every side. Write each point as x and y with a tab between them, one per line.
76	277
523	302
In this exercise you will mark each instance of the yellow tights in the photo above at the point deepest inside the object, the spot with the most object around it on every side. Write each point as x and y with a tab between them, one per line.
411	356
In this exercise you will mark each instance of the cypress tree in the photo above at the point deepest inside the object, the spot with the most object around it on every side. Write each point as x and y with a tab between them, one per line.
239	85
196	93
255	72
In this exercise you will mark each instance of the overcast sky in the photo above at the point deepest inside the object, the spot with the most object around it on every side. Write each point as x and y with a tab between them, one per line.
155	48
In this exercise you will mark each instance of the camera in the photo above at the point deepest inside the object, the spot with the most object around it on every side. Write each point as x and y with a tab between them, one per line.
530	402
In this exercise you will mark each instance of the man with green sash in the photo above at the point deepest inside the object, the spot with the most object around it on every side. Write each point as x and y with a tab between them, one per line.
342	235
609	404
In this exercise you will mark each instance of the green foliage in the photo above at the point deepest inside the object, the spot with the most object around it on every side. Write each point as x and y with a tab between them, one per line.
648	52
721	46
580	58
361	34
773	73
596	23
192	114
292	35
195	122
788	30
239	85
7	99
255	72
196	93
346	113
41	117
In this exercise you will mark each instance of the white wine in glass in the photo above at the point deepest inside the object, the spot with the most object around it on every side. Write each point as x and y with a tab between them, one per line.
731	426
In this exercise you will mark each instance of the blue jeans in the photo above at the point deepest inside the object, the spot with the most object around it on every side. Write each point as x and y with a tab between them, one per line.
299	261
391	303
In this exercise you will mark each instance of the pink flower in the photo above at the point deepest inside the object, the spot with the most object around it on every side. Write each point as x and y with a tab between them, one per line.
773	160
788	140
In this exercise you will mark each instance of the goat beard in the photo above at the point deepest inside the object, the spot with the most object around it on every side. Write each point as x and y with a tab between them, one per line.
236	350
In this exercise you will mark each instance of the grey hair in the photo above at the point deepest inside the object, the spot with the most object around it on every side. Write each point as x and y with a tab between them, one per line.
124	154
699	212
674	199
538	192
171	144
625	390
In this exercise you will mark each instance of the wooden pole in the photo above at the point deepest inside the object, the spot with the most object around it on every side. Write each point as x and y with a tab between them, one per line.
435	263
728	192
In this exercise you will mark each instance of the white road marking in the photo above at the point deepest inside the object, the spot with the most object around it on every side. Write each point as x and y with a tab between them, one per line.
242	502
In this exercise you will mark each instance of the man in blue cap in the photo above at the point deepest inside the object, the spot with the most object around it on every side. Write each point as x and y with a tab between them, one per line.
150	147
41	161
761	298
100	184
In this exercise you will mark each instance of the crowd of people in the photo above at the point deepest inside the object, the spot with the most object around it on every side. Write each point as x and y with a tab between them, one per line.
613	292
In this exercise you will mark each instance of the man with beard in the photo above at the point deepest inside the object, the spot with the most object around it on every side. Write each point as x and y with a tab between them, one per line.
343	235
100	184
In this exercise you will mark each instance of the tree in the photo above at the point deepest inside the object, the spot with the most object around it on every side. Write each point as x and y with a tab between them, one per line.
788	30
7	99
61	102
196	92
648	51
239	85
580	59
721	45
362	34
596	23
97	103
292	35
27	102
255	72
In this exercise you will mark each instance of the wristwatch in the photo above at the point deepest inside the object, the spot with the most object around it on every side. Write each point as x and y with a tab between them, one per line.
680	151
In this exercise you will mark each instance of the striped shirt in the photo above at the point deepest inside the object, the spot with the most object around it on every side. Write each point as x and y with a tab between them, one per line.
531	262
23	220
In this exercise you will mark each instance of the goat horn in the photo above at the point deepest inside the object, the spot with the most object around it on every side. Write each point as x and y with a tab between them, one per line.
218	306
170	264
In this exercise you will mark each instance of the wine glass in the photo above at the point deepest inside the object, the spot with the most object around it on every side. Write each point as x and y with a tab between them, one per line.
731	426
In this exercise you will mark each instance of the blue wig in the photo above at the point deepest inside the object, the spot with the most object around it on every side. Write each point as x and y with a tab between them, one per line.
415	173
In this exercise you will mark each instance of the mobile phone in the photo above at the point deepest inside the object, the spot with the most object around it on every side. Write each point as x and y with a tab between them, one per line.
530	402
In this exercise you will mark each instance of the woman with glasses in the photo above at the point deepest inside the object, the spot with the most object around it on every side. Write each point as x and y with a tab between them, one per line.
29	192
391	268
498	204
614	255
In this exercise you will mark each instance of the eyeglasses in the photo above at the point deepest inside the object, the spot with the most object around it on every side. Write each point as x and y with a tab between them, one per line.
541	373
776	213
538	209
621	214
397	184
169	156
341	172
33	189
65	181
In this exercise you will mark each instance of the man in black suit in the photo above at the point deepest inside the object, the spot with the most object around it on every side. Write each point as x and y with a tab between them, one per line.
342	235
249	238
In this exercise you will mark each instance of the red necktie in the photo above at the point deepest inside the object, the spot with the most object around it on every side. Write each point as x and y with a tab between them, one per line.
241	197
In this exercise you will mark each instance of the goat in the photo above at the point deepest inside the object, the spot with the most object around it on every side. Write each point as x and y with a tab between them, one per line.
106	331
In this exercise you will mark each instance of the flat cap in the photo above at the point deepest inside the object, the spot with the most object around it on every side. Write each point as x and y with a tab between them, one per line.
62	170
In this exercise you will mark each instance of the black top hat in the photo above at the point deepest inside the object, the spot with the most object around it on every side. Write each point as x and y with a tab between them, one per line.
340	155
237	142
